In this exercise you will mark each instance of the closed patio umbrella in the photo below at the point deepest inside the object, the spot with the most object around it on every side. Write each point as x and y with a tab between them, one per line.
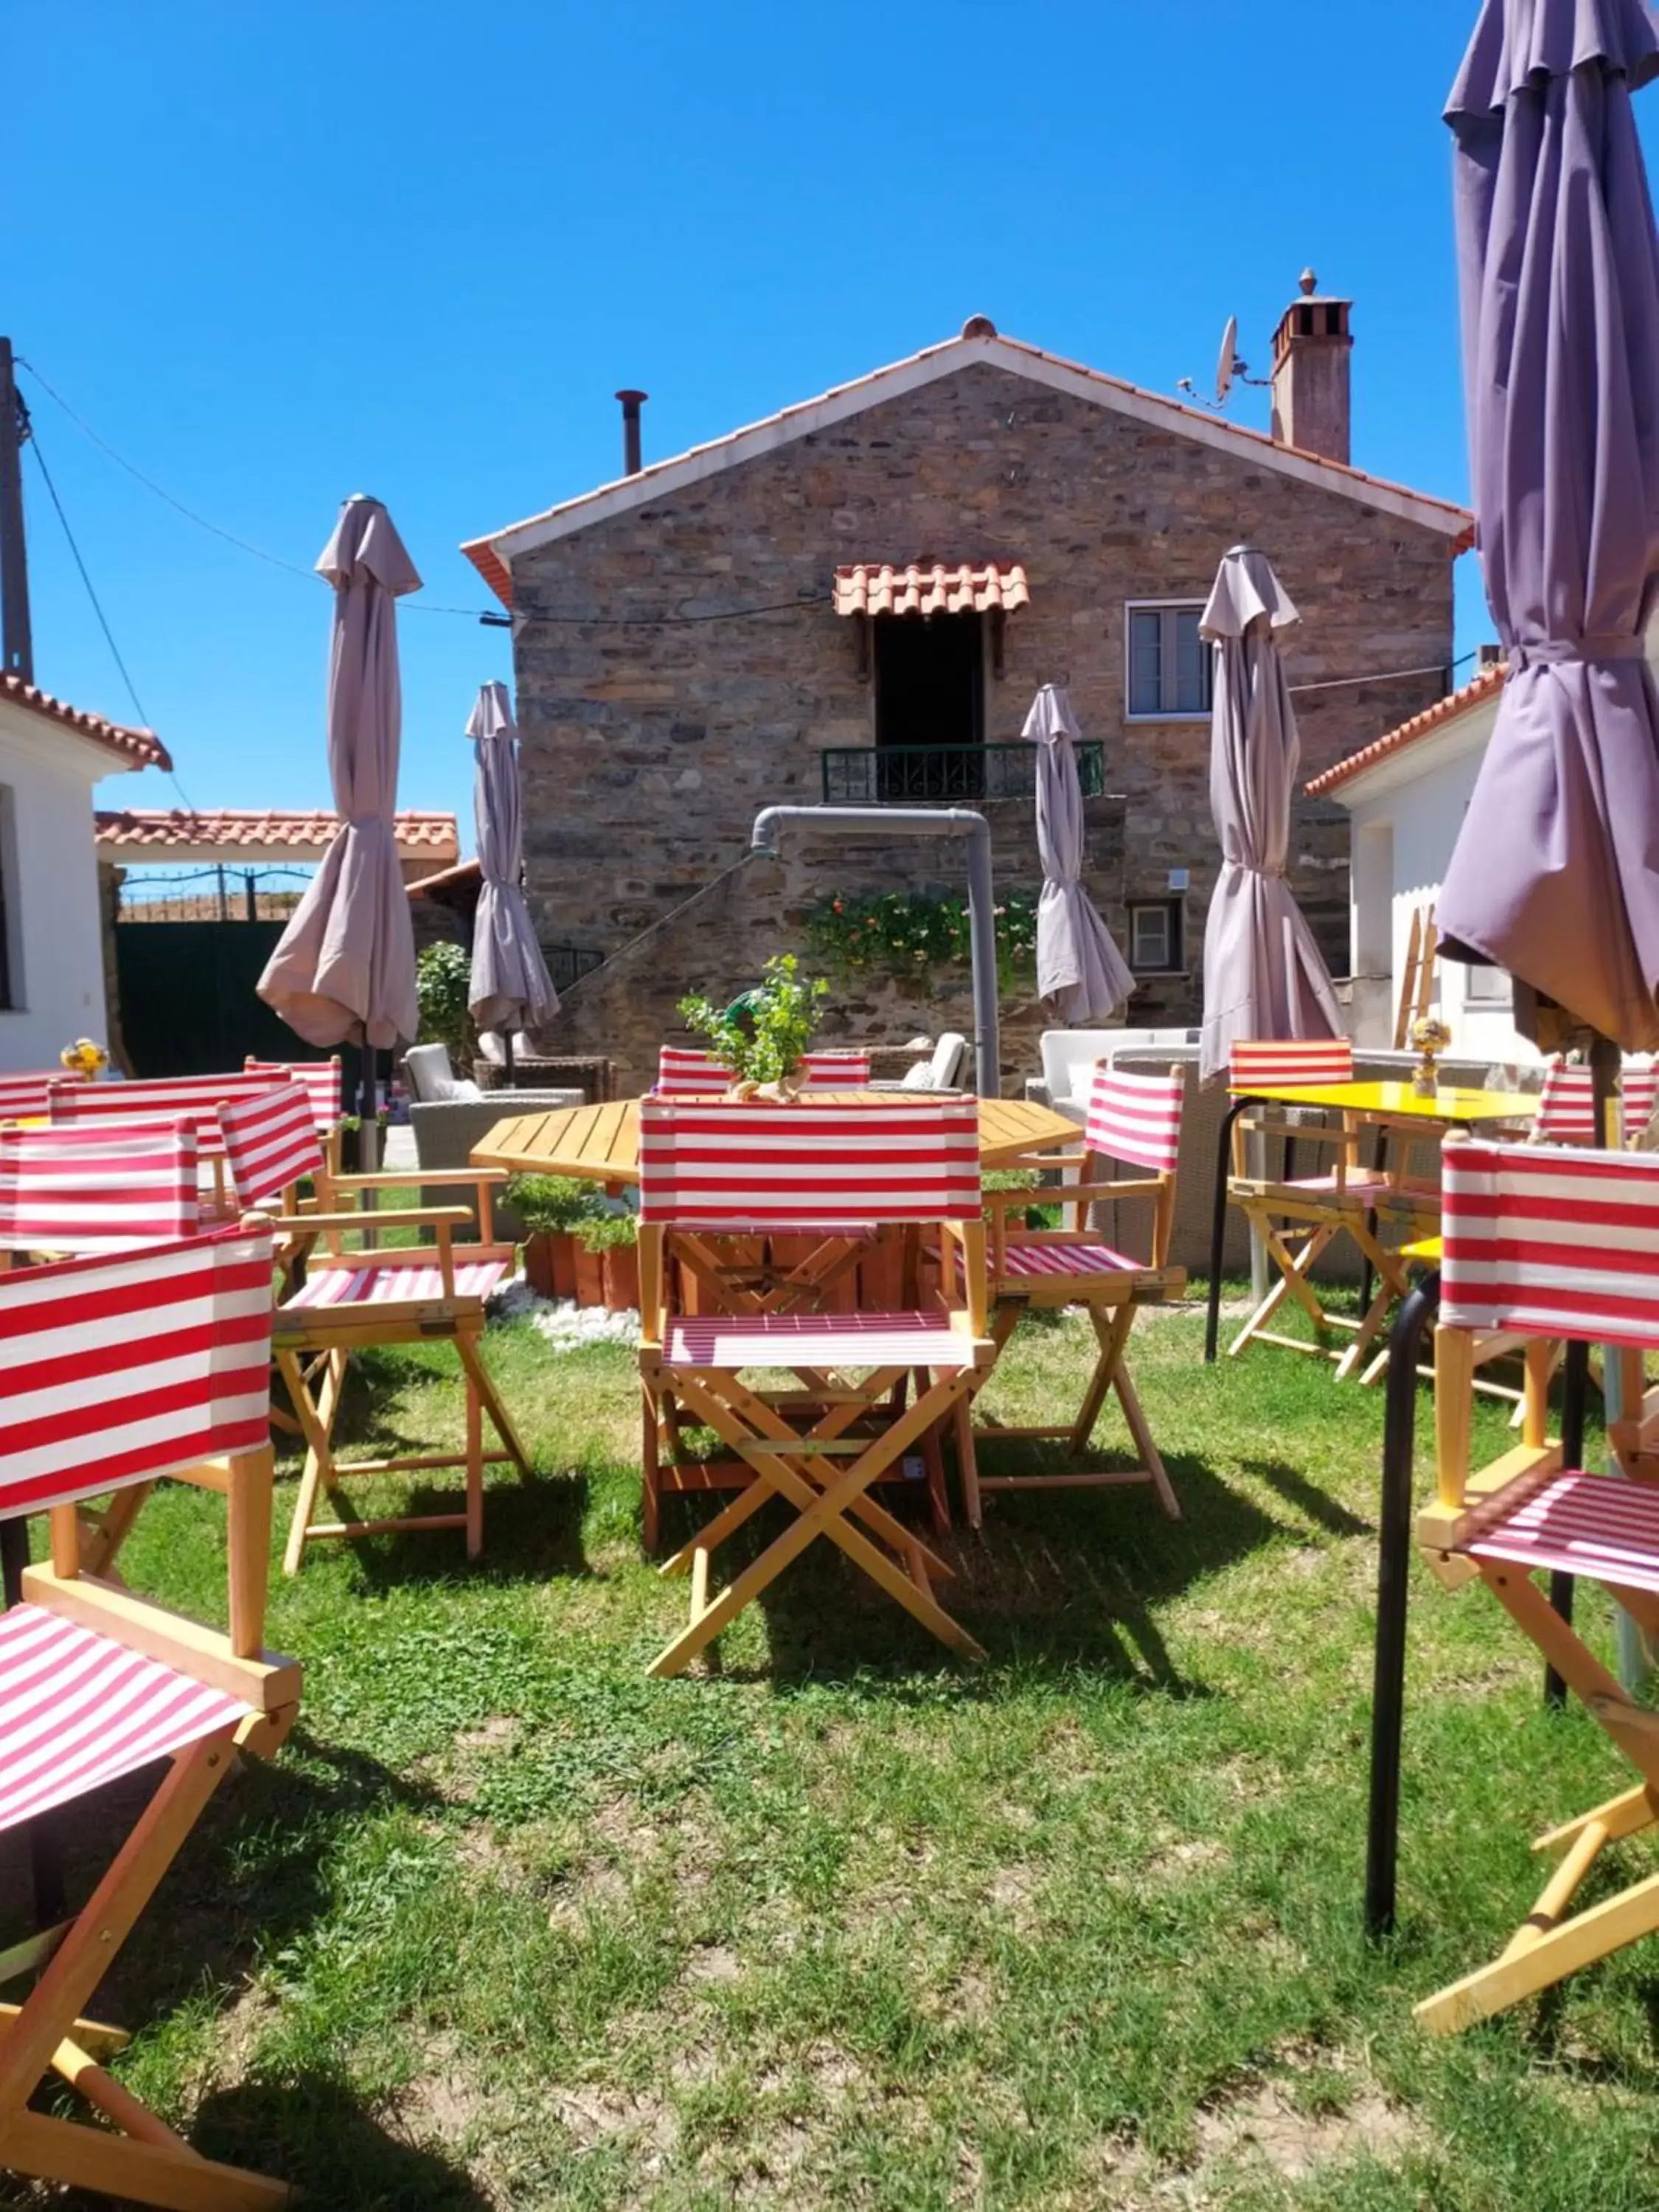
1556	872
511	988
344	969
1263	975
1078	967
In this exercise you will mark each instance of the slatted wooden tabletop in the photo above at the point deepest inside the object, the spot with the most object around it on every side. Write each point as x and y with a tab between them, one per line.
601	1143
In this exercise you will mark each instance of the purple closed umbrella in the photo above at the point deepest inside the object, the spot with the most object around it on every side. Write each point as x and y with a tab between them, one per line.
1556	872
1264	976
511	988
344	969
1078	967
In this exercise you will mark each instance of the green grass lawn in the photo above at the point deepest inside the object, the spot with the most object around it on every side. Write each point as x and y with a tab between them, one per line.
842	1923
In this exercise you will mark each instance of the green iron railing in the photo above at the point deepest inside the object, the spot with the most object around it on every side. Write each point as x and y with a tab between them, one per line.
892	776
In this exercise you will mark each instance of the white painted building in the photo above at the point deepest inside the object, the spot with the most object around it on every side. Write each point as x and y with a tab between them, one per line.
51	934
1407	795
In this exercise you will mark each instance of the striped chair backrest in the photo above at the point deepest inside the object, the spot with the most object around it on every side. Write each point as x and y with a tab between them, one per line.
755	1165
1567	1105
321	1081
24	1097
97	1189
269	1142
196	1099
1551	1241
684	1073
116	1370
1136	1118
1269	1064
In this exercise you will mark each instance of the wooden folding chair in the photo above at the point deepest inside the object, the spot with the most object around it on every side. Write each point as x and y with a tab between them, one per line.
161	1105
1298	1218
1135	1121
1549	1243
820	1442
119	1371
78	1192
683	1071
349	1300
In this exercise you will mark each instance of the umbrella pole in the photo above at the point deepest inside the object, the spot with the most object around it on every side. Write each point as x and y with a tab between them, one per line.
505	1037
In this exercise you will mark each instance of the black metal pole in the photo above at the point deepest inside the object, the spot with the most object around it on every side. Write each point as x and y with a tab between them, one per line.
1575	1384
1218	1226
1417	1310
45	1835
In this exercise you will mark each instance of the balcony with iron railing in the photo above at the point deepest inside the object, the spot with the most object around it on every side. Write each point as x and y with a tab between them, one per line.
892	776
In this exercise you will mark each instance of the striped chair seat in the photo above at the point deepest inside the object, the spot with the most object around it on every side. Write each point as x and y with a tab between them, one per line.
372	1287
77	1711
1068	1259
1604	1526
884	1340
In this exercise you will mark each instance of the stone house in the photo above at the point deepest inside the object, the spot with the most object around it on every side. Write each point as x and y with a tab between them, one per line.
856	599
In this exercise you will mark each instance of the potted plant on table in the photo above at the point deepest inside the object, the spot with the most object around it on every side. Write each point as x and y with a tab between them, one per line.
763	1035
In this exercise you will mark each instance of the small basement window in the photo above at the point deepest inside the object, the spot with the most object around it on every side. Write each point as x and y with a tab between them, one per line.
1170	664
930	705
1155	936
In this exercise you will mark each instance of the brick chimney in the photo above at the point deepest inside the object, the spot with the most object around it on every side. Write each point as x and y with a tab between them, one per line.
1311	348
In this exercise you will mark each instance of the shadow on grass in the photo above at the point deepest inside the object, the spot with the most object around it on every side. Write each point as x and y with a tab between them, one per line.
1053	1583
1294	1487
315	2135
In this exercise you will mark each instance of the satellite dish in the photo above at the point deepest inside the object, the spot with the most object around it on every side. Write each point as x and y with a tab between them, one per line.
1226	360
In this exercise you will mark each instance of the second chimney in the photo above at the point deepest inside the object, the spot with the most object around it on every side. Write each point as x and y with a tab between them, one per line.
1311	348
631	403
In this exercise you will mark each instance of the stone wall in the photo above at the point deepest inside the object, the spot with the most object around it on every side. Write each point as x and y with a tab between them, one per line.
648	747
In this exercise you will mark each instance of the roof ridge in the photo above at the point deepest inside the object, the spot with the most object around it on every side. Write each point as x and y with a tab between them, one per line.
481	552
135	741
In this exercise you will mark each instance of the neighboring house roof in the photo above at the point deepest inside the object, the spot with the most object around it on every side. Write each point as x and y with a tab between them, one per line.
133	748
871	587
1486	685
140	833
492	555
467	880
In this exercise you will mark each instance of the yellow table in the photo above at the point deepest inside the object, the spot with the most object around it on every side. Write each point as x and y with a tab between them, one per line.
601	1143
1386	1105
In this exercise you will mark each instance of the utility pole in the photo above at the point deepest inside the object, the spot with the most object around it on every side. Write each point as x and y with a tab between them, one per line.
16	646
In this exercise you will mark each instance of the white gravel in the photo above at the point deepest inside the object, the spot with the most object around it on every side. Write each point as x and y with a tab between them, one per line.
566	1325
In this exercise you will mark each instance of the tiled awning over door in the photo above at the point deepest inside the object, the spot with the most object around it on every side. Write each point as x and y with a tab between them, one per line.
933	587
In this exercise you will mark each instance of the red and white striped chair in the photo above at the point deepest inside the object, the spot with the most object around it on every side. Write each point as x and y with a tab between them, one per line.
1567	1105
1297	1218
1133	1121
350	1300
686	1073
92	1190
23	1098
823	1442
114	1371
161	1103
323	1084
1548	1243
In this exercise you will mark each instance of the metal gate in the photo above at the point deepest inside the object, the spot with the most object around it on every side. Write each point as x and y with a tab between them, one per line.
188	1002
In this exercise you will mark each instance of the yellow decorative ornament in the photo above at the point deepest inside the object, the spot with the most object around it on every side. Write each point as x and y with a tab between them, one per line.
86	1056
1430	1036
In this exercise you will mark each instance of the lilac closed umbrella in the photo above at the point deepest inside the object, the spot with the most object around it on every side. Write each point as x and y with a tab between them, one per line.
344	969
511	988
1264	976
1556	872
1078	967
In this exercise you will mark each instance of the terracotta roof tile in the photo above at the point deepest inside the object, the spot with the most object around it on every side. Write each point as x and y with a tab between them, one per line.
976	346
136	748
930	588
137	830
1483	686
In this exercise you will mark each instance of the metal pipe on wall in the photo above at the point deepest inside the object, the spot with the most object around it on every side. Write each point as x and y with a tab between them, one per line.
923	821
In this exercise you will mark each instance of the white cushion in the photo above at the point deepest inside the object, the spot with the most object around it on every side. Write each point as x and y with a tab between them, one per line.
431	1078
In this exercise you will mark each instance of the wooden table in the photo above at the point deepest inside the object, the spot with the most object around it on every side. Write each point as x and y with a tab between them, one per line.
601	1143
1386	1105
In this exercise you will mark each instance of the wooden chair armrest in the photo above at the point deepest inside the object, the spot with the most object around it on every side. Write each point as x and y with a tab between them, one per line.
395	1217
400	1178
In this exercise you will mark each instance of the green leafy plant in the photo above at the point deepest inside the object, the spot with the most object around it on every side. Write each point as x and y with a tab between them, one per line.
1035	1215
909	934
443	977
549	1206
607	1232
762	1035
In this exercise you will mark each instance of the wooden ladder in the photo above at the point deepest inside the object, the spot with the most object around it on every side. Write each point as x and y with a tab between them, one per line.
1416	984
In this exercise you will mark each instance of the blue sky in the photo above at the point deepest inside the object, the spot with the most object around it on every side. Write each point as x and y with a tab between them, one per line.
277	253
